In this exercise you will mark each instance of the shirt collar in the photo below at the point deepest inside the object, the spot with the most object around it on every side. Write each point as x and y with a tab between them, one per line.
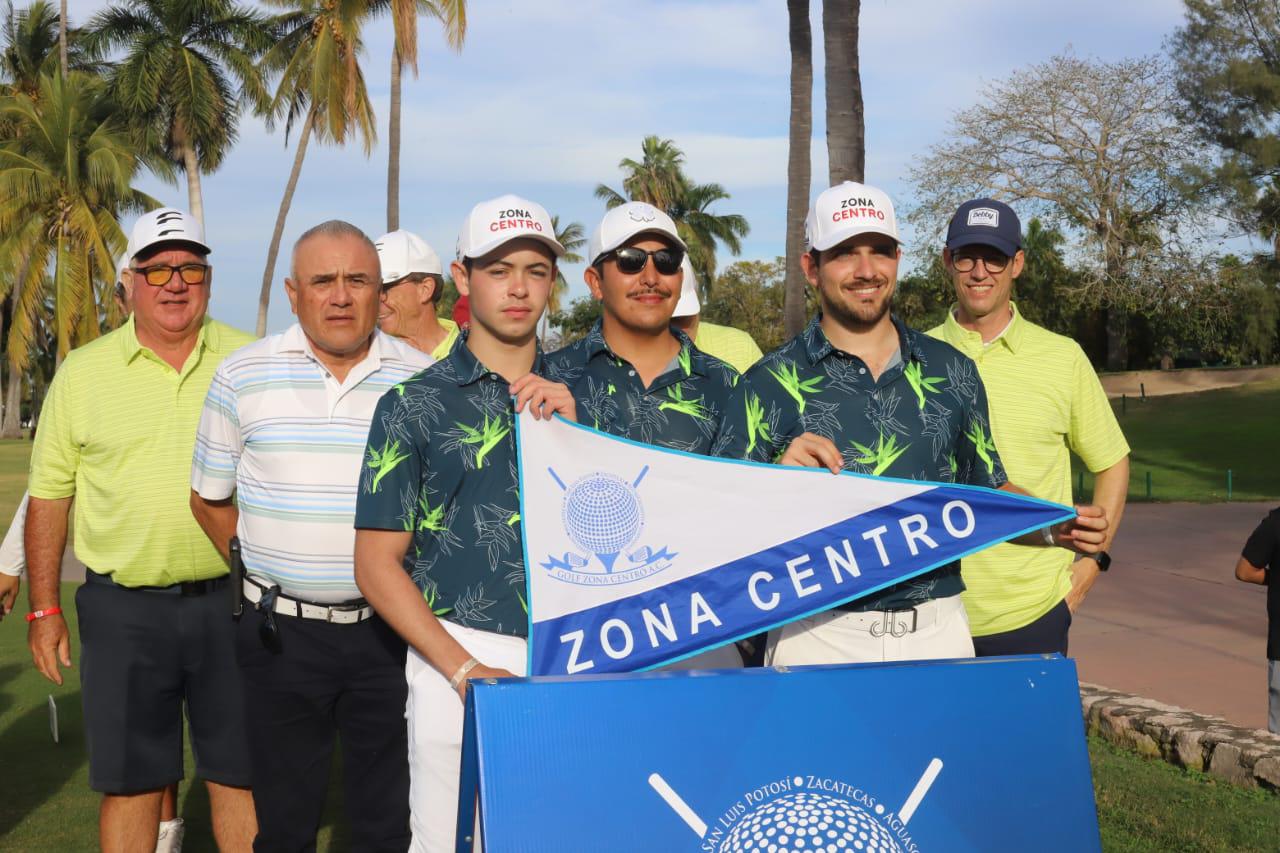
817	346
131	347
691	359
467	368
969	342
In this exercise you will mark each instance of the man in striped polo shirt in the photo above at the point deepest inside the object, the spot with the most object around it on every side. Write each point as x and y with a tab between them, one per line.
116	434
1045	401
277	462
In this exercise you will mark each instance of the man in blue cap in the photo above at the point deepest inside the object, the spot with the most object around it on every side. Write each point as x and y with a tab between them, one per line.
1045	402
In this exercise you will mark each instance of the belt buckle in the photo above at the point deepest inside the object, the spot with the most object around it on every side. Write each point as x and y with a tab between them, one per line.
889	623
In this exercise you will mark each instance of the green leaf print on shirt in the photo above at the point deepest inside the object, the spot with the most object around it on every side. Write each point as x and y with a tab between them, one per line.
384	461
757	426
983	444
882	455
675	400
486	437
921	383
788	376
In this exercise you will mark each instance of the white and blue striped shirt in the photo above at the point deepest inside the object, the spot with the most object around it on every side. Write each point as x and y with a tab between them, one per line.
283	435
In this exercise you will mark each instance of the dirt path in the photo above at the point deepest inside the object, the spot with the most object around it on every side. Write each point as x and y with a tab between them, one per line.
1158	383
1170	621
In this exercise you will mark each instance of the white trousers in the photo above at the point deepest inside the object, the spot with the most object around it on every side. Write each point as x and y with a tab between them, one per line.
941	630
434	714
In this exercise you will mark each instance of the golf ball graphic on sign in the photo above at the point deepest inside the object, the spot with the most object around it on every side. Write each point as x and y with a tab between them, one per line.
809	823
602	515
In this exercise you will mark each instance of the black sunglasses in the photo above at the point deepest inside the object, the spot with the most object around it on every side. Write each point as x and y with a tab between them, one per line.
631	259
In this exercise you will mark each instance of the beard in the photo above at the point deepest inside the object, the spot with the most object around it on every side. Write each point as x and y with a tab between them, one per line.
859	316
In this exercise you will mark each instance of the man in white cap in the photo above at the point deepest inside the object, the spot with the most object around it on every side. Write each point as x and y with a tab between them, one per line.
278	461
635	375
116	433
412	284
438	550
857	390
730	345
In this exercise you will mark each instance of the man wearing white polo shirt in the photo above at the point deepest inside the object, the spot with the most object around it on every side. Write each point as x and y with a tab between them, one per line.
277	462
412	283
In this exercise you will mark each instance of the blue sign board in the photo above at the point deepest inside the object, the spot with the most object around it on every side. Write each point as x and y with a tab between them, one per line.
974	755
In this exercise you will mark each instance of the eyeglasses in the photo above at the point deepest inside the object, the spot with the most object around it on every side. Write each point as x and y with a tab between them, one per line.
994	263
631	259
160	275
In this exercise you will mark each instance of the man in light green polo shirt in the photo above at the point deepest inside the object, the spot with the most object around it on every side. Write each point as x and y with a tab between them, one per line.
732	346
1045	402
117	433
412	284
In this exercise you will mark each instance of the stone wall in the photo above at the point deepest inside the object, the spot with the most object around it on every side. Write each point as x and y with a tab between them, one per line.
1247	757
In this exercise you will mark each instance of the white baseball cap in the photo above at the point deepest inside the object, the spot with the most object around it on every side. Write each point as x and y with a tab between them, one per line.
847	210
501	220
166	225
688	304
626	221
402	253
122	264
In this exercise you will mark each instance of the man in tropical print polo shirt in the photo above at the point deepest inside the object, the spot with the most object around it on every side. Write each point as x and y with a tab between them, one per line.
634	374
438	550
859	391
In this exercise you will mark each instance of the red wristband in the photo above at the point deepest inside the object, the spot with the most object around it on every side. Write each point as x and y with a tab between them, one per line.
40	614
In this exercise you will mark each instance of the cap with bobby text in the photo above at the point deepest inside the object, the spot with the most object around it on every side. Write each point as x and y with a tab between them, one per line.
501	220
847	210
629	220
688	305
985	222
403	253
166	225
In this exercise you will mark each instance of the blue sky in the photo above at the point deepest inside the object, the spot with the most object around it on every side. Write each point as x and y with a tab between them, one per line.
546	97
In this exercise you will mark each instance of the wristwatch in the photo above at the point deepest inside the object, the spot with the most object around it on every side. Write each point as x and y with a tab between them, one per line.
1102	558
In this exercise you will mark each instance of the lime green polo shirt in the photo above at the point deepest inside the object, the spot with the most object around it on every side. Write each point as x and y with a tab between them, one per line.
117	432
442	349
732	346
1045	401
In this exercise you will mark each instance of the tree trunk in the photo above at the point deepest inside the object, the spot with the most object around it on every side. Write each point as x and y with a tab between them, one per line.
195	196
846	151
264	298
12	427
799	169
62	38
1117	320
393	146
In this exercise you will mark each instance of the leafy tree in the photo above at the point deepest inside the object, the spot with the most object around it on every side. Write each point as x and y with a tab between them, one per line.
452	15
659	179
180	60
748	295
1095	149
320	80
573	237
1227	60
574	322
799	168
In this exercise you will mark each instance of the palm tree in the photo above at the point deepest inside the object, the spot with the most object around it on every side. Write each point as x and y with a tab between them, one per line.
179	62
316	56
846	150
572	236
452	15
799	175
65	179
659	179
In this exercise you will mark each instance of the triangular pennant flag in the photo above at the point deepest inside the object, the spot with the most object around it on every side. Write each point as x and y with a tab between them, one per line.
636	556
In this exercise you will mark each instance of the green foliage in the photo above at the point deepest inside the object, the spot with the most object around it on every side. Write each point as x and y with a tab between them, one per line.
748	296
574	322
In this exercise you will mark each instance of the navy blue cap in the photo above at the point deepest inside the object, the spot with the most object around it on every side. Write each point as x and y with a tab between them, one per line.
985	222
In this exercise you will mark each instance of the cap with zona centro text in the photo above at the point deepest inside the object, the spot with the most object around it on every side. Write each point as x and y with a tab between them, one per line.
688	305
985	222
403	253
166	225
847	210
501	220
626	221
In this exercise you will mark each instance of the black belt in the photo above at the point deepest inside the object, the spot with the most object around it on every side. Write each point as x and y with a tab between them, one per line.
187	589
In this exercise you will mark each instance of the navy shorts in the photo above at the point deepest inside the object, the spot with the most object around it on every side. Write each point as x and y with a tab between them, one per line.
144	654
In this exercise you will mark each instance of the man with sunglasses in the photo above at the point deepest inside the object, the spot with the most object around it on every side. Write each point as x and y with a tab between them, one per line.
1046	402
857	390
636	375
116	433
412	284
278	463
438	550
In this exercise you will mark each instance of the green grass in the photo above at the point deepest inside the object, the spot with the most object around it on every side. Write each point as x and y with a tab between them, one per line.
14	456
1188	442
